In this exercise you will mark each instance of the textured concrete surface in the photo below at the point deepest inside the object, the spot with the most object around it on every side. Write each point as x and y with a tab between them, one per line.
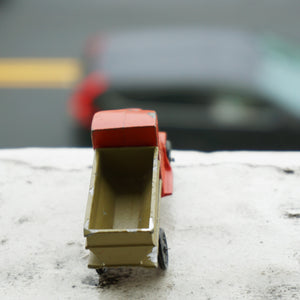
232	227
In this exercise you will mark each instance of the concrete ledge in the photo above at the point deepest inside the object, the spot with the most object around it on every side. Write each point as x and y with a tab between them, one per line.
232	227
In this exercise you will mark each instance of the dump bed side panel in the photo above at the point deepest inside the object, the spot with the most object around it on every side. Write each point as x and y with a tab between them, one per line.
145	256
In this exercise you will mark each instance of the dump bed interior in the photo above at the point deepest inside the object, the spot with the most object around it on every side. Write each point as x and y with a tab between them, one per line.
122	188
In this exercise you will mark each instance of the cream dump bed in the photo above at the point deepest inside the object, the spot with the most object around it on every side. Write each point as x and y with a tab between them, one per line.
122	191
121	223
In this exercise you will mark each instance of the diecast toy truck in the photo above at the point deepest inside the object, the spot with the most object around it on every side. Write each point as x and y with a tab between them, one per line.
131	172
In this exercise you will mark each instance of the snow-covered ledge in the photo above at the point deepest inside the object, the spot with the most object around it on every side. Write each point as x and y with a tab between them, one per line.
232	225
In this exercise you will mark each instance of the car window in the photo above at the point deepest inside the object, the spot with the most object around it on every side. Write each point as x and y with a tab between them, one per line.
279	77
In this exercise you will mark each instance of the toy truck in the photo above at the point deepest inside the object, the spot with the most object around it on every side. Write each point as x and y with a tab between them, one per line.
131	172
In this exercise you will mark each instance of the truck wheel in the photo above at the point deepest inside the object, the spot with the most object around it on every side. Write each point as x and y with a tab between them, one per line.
101	271
163	258
169	149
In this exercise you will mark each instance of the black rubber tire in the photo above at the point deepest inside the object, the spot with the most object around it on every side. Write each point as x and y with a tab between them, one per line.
163	257
168	150
101	271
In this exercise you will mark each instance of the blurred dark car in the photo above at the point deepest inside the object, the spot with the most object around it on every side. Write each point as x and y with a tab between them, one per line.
212	89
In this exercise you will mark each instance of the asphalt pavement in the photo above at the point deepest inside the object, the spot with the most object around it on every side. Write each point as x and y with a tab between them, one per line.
38	116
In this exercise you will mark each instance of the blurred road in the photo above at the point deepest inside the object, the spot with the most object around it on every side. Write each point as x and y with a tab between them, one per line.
59	28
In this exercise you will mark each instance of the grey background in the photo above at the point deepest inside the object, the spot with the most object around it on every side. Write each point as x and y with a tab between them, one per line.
59	28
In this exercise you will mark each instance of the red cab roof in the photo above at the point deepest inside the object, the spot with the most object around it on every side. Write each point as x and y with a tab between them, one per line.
124	128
